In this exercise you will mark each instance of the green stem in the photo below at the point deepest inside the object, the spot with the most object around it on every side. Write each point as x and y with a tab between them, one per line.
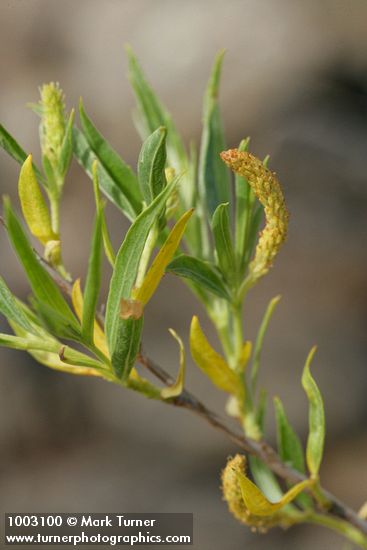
340	526
237	336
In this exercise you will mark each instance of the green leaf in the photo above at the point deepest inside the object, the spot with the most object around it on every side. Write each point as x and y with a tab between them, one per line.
223	241
253	231
214	182
165	254
127	345
261	409
85	155
11	309
44	288
289	445
107	245
127	263
265	479
66	152
260	340
73	357
56	322
25	343
150	116
203	274
176	388
93	281
211	363
117	169
10	145
316	436
151	165
245	198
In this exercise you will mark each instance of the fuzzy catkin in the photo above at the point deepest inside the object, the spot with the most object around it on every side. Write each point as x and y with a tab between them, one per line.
53	121
267	189
233	496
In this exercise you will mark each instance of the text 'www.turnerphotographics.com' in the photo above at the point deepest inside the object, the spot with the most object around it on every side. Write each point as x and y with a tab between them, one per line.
112	529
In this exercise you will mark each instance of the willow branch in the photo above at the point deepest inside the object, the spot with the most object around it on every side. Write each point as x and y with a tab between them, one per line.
260	449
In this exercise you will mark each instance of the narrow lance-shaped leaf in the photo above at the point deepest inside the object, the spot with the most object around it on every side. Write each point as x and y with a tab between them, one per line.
44	288
210	362
30	342
107	245
289	446
151	165
66	151
34	208
10	308
12	147
116	168
127	263
223	240
316	436
199	272
74	357
260	340
160	262
85	155
257	503
127	345
52	359
151	115
244	202
213	175
265	479
176	388
93	281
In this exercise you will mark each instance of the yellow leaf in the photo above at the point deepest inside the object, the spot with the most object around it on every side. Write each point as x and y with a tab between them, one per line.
77	300
257	503
177	387
163	258
33	204
52	360
210	362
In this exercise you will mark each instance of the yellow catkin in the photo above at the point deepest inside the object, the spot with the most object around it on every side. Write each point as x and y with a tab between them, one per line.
233	496
267	189
53	121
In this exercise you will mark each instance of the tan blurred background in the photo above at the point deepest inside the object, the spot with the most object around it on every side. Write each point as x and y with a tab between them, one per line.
295	79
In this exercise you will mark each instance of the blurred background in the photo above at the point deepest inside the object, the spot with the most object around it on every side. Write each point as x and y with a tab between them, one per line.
295	79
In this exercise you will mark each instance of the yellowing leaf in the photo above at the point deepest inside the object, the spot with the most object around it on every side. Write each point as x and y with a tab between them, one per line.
163	258
53	361
77	300
33	204
177	387
316	436
257	503
210	362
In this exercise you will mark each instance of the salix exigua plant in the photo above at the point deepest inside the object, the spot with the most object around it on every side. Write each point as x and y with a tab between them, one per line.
187	218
